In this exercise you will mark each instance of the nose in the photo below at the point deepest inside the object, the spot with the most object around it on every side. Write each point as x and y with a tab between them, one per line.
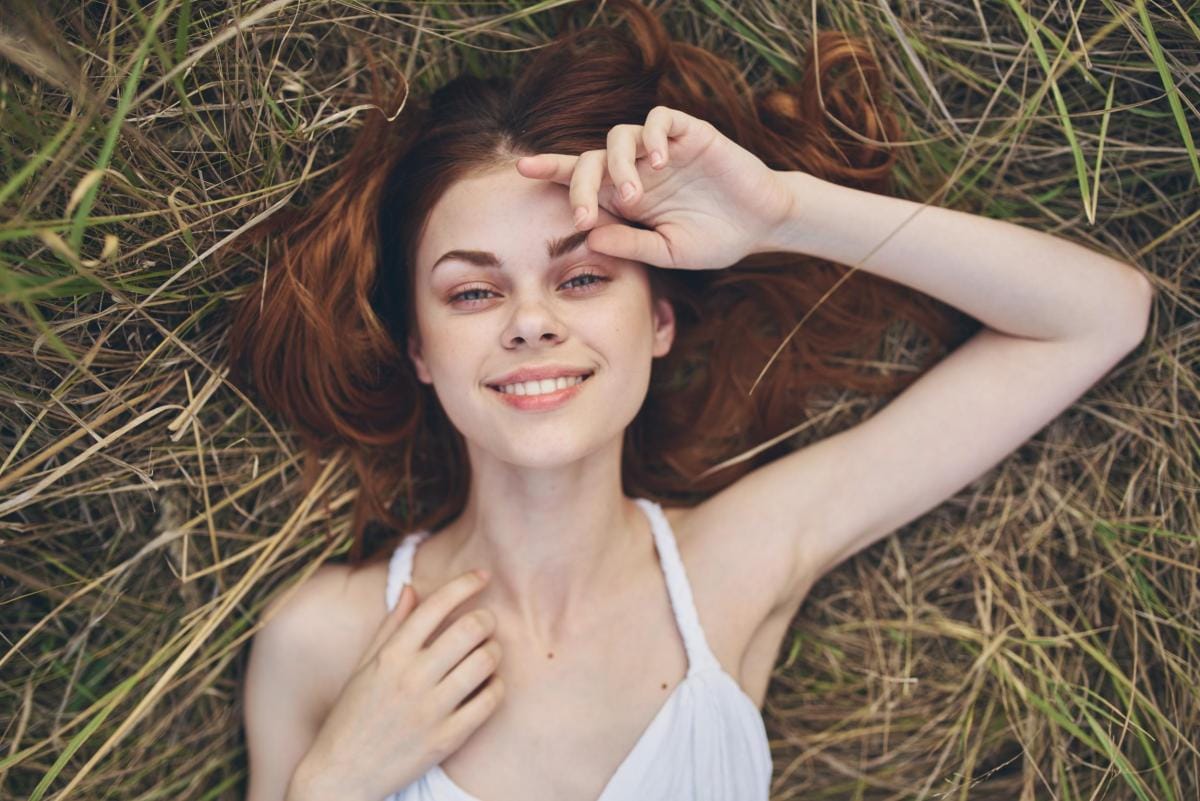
533	322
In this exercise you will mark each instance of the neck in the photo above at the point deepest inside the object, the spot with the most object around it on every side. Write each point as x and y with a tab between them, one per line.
553	539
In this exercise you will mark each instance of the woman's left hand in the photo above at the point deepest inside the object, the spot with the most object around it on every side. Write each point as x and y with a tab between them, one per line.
708	205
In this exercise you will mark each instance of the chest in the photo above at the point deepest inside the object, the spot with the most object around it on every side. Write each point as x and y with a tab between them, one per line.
569	721
558	735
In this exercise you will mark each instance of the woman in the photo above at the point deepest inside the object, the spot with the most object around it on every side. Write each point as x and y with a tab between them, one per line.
475	294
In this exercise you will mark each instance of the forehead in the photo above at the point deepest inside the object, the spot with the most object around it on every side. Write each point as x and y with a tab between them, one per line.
501	211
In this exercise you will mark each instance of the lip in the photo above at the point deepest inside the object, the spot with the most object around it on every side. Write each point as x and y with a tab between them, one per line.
541	403
537	373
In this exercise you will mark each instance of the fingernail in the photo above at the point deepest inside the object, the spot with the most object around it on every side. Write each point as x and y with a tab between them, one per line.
580	215
656	159
627	191
483	574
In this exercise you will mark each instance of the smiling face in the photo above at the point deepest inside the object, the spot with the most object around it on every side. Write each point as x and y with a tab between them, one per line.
546	303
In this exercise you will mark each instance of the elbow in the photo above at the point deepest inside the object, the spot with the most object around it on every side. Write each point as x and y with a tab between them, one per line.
1141	296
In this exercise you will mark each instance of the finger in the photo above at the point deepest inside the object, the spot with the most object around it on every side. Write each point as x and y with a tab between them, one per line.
655	136
430	614
624	144
585	187
635	244
548	167
452	645
406	602
467	676
471	715
404	605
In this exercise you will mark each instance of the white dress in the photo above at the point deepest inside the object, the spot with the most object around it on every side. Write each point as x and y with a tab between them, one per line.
706	743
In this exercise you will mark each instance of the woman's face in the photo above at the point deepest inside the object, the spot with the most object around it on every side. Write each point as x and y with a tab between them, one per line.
477	321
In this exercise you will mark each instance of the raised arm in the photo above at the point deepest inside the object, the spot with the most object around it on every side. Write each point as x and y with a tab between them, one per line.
1057	317
1017	281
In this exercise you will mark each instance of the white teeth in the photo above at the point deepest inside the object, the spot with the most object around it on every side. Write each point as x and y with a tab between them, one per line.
546	385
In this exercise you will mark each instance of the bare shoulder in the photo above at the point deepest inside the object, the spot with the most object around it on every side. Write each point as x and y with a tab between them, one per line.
743	582
311	638
739	546
321	626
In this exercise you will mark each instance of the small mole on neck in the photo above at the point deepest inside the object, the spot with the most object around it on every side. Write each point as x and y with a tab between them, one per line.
550	655
664	685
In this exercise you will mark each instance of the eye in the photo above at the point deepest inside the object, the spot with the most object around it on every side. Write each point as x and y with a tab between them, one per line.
598	279
462	297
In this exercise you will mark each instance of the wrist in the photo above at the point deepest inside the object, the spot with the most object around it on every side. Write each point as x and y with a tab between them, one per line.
812	197
784	235
310	782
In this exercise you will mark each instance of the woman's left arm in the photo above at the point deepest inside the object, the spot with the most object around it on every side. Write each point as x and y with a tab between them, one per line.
1057	317
1017	281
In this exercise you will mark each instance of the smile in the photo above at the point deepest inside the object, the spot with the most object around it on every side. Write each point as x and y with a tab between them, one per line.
548	393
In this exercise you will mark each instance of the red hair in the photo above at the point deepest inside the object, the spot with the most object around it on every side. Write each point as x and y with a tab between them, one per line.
323	342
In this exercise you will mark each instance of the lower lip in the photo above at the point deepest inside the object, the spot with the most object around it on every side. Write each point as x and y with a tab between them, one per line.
541	403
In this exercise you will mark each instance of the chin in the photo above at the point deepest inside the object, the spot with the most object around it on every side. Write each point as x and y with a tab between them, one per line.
539	456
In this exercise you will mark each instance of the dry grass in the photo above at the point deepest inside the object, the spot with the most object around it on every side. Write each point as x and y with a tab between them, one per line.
1034	637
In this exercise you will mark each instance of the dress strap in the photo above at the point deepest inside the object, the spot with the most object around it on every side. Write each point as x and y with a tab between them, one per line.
700	656
400	567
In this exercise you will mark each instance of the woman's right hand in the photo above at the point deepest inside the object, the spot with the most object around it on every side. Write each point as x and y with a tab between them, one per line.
398	714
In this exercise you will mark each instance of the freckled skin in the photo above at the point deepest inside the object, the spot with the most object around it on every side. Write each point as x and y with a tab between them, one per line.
531	311
613	327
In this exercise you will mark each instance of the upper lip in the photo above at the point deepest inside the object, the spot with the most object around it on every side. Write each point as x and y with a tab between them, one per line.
537	373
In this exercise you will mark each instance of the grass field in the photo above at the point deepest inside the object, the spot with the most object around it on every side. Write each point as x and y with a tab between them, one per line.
1036	637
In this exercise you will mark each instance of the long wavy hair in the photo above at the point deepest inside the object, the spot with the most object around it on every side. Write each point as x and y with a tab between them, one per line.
323	343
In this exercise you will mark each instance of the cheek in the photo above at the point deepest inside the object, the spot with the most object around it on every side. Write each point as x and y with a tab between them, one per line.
456	352
632	318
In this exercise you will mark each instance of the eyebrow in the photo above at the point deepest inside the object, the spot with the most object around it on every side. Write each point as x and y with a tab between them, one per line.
555	248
